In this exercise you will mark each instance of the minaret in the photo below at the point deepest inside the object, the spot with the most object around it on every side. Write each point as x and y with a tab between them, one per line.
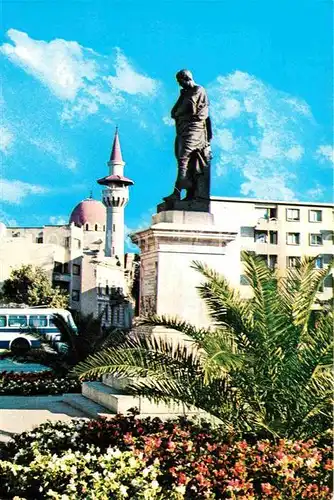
115	196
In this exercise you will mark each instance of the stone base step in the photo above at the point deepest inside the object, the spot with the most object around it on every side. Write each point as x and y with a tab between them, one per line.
86	406
118	402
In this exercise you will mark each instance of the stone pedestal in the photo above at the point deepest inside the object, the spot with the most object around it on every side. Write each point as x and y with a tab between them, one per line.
168	247
168	284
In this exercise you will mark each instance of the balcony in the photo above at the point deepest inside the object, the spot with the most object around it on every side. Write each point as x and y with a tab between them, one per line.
265	248
267	224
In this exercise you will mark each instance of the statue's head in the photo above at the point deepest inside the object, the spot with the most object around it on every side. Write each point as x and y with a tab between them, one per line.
185	78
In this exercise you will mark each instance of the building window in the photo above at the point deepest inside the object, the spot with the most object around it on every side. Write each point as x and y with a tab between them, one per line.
315	215
260	236
104	227
293	238
319	263
99	309
107	289
243	280
75	295
327	258
87	227
76	269
293	261
77	243
266	213
272	263
66	268
96	227
58	268
273	237
67	242
328	282
99	289
107	313
113	227
292	214
39	238
315	239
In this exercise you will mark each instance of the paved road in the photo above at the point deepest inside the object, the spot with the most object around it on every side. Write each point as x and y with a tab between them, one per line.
22	413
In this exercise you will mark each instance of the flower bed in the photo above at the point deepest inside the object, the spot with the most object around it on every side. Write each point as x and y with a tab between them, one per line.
131	458
39	383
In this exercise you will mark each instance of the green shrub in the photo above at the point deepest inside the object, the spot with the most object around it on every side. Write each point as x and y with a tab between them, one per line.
39	383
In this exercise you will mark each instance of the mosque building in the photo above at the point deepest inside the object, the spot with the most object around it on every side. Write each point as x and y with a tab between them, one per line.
86	256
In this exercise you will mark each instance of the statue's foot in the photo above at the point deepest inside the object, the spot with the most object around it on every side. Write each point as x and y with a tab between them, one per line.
175	196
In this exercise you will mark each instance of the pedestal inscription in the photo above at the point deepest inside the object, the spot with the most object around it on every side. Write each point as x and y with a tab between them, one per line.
148	286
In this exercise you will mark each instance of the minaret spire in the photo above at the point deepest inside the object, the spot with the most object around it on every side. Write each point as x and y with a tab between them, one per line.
116	153
115	197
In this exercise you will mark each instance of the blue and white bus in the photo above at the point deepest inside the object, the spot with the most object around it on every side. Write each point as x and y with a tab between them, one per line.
16	323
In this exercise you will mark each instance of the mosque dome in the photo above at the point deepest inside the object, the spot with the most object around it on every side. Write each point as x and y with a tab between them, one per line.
89	212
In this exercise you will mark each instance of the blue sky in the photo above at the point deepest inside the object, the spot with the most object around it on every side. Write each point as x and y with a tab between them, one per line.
72	70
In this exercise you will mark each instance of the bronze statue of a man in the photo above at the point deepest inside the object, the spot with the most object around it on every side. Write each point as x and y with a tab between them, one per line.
193	135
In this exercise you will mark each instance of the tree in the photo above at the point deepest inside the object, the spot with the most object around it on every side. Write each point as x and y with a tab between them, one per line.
266	366
31	286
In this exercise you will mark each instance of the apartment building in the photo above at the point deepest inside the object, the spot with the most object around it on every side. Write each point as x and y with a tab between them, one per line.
281	232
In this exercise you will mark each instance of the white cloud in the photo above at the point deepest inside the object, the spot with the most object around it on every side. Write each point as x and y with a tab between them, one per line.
77	75
128	80
315	193
268	188
225	139
13	191
261	136
7	219
168	121
58	220
6	139
295	153
231	109
54	148
326	152
63	66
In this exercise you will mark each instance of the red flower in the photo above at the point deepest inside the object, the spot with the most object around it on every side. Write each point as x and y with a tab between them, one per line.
182	478
266	488
171	445
238	469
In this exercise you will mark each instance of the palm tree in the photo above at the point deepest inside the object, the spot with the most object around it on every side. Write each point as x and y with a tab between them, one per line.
264	368
76	344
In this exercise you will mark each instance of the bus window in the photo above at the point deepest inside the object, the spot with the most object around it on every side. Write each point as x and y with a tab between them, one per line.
17	321
38	321
3	321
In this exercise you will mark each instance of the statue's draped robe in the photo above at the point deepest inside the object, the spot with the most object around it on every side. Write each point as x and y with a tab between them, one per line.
191	115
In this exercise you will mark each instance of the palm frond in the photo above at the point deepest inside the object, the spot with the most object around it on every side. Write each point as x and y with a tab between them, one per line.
225	306
143	356
174	323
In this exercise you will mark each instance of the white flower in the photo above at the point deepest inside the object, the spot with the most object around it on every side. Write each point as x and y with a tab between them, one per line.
146	471
311	462
123	490
181	489
155	484
116	453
